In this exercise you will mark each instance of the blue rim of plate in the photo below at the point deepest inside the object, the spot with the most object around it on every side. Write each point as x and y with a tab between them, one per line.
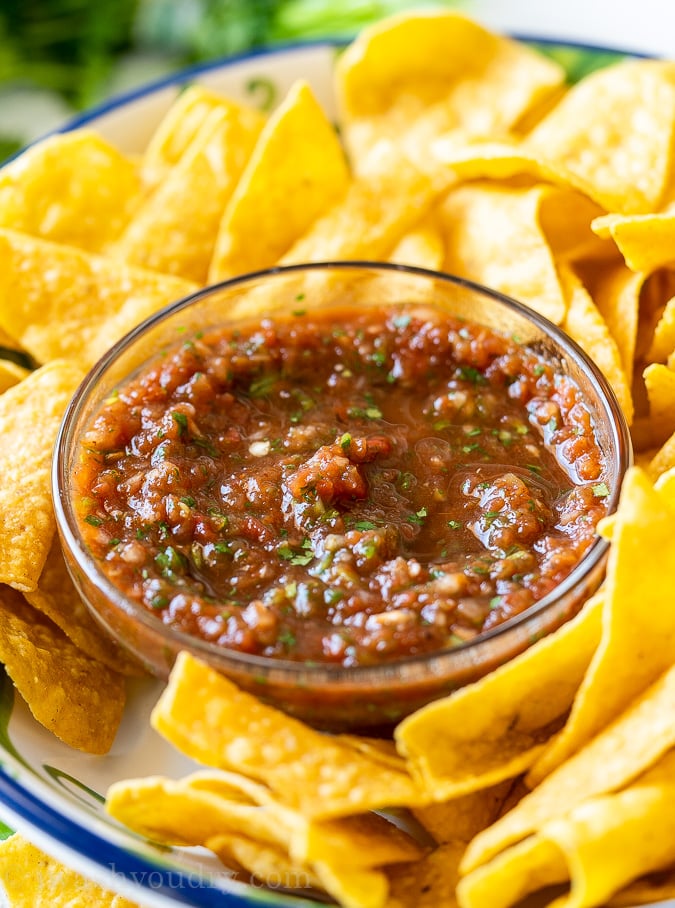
179	888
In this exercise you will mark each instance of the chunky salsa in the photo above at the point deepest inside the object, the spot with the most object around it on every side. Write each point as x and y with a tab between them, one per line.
345	487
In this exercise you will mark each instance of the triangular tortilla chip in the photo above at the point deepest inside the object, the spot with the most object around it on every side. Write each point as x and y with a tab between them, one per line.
175	231
30	415
297	171
73	188
56	300
77	698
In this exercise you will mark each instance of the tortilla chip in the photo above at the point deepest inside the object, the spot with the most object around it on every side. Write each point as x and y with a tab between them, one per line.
354	887
644	240
587	327
623	750
296	172
204	804
606	158
43	285
33	879
73	188
11	374
648	890
638	632
420	75
460	819
583	846
30	415
429	883
663	340
182	812
565	216
378	209
660	383
177	130
487	732
422	247
662	460
493	236
527	867
209	719
73	696
269	865
57	598
175	231
616	292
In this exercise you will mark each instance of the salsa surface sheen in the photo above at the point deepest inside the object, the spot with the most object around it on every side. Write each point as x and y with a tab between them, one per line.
346	486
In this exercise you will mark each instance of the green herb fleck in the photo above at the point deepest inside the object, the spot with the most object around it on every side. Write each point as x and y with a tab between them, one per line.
93	520
601	490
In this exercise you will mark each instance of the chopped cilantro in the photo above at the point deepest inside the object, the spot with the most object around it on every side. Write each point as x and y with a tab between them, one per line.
93	520
262	385
181	421
469	373
418	517
601	490
454	524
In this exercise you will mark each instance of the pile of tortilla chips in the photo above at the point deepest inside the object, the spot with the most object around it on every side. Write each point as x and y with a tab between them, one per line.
457	150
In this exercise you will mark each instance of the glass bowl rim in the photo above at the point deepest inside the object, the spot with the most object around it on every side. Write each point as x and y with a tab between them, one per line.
299	672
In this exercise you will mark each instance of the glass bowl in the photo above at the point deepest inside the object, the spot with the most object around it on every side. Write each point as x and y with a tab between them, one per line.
328	695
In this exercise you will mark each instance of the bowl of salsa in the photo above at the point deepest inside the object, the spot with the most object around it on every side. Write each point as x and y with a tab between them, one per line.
351	487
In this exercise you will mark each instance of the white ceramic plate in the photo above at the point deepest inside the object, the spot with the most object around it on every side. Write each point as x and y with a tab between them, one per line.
52	793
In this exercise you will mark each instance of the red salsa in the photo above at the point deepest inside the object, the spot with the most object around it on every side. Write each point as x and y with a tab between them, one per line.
346	487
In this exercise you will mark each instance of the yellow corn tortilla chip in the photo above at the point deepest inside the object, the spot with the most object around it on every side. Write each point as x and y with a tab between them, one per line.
43	285
660	383
622	751
175	230
182	813
566	215
429	883
177	129
488	731
362	840
638	632
73	188
57	598
587	327
663	340
662	460
30	414
460	819
644	240
422	247
378	209
531	865
11	374
209	719
269	865
73	696
606	158
493	236
33	879
296	172
656	887
420	75
354	887
192	809
616	292
583	847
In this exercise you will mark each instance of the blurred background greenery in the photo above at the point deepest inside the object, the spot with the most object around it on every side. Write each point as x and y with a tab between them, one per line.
60	56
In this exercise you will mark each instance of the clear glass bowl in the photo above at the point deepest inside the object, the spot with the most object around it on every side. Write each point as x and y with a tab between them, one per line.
326	695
